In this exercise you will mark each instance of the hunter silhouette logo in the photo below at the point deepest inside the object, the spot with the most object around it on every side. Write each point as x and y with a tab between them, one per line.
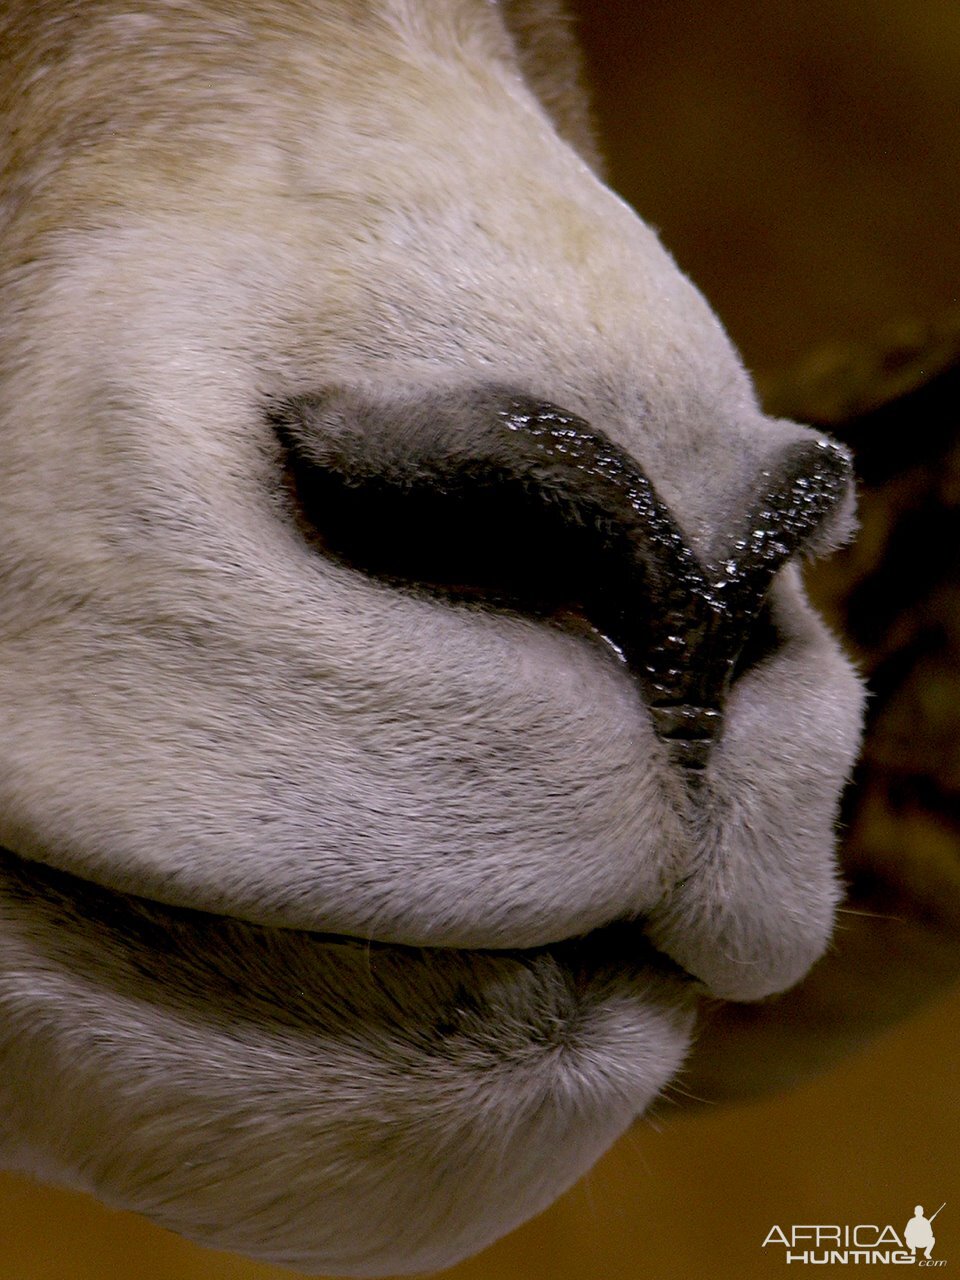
918	1233
832	1244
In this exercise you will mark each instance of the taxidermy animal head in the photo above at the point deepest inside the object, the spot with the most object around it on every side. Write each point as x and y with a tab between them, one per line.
409	700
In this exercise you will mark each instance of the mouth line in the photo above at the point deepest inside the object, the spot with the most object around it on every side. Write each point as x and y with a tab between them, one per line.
135	922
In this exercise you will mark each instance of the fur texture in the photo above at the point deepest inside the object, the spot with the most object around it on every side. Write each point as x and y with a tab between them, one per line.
221	747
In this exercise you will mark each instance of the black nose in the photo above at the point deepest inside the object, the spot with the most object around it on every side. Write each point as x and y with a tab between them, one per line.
710	618
498	499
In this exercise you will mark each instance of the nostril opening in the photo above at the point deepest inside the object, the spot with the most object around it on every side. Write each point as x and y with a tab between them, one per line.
496	501
811	483
491	499
470	534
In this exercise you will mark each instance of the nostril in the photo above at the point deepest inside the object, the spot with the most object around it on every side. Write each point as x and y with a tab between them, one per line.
437	508
496	499
810	482
493	498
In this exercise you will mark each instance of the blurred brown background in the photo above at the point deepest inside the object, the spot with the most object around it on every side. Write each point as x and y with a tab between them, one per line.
801	161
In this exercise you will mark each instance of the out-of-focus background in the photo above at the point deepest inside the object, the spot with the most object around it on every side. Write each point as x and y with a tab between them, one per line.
802	161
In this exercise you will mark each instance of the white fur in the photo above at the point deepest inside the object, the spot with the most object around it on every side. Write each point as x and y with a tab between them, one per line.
215	206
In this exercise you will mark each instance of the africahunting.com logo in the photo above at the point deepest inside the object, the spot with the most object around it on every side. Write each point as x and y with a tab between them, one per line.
829	1244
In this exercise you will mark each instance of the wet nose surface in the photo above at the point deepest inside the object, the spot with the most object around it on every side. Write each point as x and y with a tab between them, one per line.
681	623
500	499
